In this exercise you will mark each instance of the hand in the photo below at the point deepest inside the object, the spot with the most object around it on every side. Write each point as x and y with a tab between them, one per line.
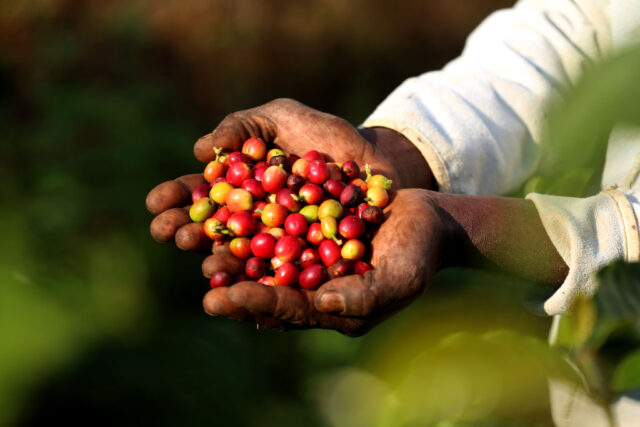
407	250
297	129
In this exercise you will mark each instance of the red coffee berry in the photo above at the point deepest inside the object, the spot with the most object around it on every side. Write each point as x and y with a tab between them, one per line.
362	267
372	214
311	194
223	214
351	169
287	275
352	227
274	214
240	247
262	245
255	148
351	196
301	168
329	252
296	225
288	199
273	179
254	187
288	249
334	187
361	207
238	173
220	278
238	157
255	267
241	224
309	257
318	172
341	268
294	183
258	171
201	191
314	234
313	155
312	277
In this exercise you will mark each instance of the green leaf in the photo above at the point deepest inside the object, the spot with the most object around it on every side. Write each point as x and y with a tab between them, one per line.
627	374
618	303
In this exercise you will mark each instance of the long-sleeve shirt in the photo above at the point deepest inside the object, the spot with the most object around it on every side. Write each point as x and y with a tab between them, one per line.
480	123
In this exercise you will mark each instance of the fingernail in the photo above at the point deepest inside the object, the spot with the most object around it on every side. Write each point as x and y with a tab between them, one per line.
332	302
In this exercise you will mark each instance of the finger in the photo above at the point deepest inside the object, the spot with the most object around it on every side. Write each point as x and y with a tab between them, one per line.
234	130
222	262
173	194
191	237
398	276
216	303
169	194
221	248
229	139
293	306
191	181
347	296
229	135
164	226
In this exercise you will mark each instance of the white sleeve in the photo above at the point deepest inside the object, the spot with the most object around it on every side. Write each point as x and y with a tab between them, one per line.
589	233
480	121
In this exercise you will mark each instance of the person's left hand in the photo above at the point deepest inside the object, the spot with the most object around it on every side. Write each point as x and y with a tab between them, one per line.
296	129
407	250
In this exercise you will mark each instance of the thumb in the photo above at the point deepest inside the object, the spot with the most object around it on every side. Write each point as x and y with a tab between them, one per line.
349	295
229	136
233	131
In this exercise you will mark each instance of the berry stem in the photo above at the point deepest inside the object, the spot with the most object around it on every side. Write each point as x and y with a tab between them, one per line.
217	151
367	170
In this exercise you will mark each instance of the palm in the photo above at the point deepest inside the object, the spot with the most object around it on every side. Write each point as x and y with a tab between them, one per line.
404	257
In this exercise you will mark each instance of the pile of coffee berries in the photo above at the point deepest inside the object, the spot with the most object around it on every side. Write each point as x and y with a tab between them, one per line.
296	221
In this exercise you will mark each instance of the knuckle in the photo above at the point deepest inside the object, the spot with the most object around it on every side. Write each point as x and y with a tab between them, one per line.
228	119
283	102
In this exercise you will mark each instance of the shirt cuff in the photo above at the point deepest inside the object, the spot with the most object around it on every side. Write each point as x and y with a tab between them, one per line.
588	233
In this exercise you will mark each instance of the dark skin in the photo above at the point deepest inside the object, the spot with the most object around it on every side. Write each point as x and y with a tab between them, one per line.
424	231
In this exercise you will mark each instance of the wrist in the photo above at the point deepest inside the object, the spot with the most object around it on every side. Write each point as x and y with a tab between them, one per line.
396	157
455	249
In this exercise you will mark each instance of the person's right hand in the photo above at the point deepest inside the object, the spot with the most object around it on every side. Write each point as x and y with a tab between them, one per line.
296	129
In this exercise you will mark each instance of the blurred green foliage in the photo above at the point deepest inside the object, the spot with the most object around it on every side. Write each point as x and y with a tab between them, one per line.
580	124
100	101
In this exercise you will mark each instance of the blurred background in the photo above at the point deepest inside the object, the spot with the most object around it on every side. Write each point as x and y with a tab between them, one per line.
99	102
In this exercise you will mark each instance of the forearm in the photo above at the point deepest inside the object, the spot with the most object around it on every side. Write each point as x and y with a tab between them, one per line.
498	231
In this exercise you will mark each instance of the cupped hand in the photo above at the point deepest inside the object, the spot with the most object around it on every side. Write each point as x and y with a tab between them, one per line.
297	129
407	250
